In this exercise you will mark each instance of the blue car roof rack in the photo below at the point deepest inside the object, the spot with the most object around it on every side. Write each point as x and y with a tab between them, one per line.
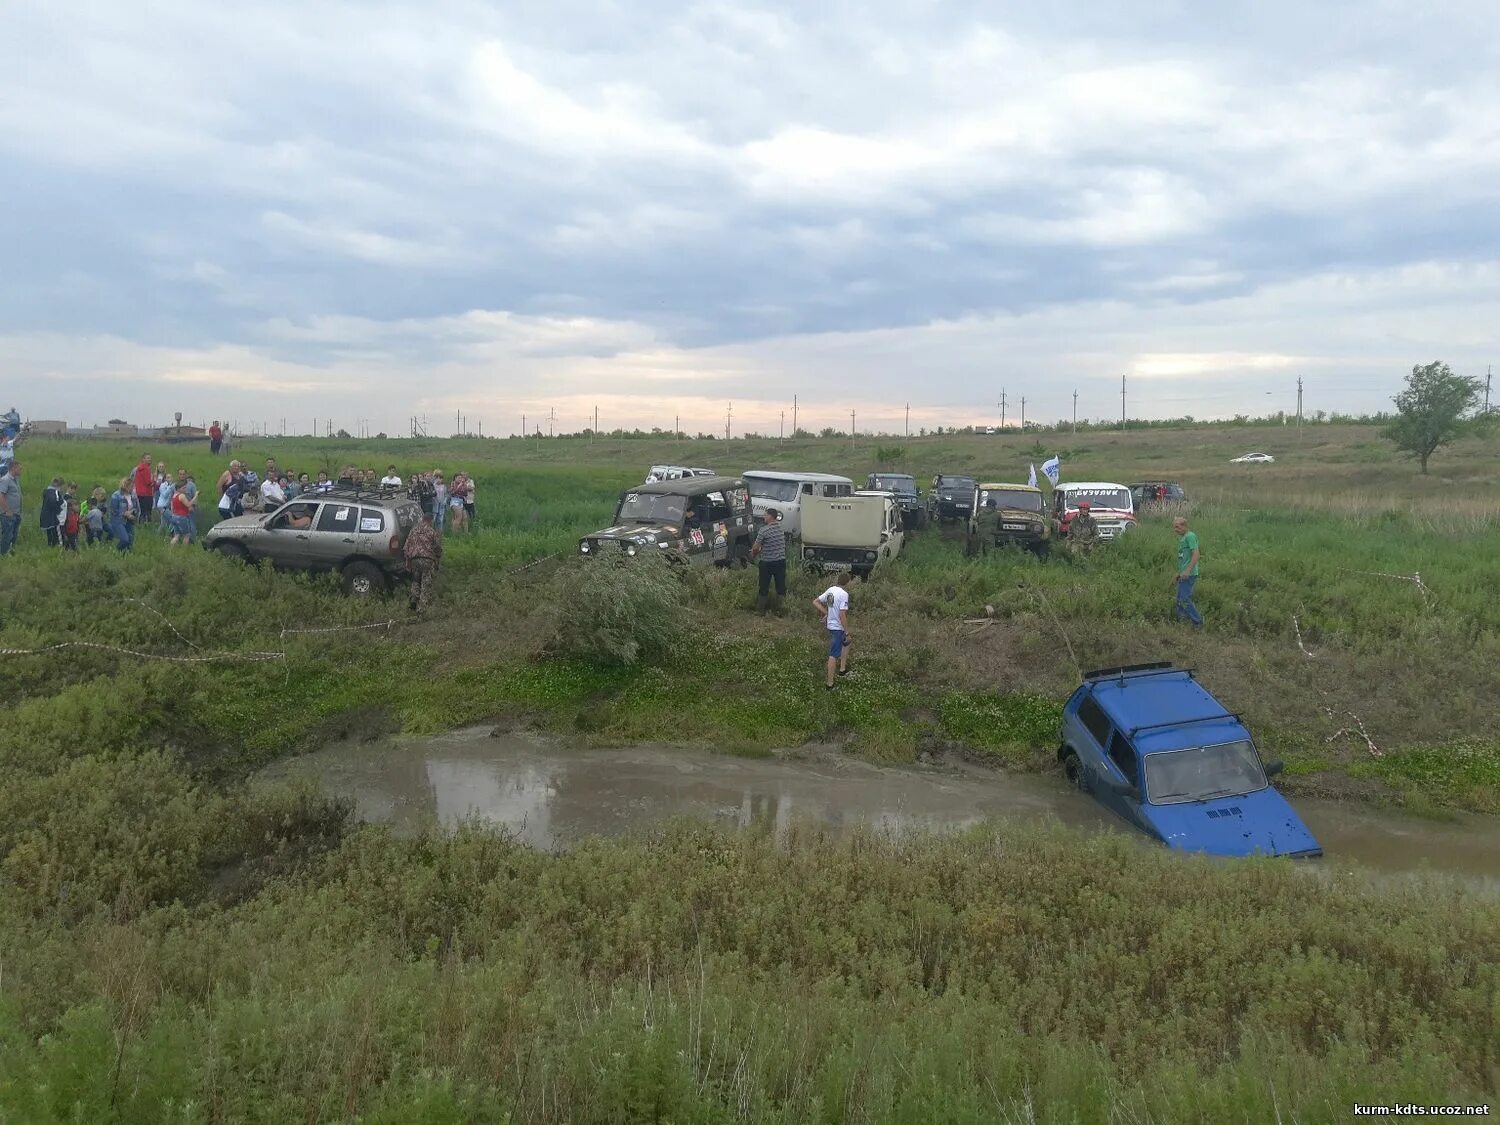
1117	670
1231	715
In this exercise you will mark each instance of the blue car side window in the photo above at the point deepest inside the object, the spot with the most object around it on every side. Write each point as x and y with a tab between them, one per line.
1122	754
1094	720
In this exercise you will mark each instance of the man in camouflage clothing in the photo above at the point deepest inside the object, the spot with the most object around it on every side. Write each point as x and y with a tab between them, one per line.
986	528
424	551
1083	532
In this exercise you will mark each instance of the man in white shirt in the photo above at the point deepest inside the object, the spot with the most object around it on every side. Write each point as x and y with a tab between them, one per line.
390	480
271	495
833	605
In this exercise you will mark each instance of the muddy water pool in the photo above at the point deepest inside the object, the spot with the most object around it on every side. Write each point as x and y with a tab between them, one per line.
551	794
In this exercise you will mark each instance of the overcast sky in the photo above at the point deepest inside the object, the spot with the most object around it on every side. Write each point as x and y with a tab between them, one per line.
369	210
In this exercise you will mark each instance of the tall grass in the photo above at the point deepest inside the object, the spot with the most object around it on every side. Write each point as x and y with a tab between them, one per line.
699	975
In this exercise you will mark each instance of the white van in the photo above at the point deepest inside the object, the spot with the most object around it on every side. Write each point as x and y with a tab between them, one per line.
784	493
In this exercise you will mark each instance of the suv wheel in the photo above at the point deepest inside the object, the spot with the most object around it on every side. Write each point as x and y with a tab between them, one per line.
1073	770
232	550
363	580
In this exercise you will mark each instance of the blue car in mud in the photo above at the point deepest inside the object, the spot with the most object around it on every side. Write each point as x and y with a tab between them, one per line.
1153	746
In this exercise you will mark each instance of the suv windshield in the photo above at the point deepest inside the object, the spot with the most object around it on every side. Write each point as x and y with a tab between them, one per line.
1101	497
650	507
782	491
1229	769
957	484
904	485
1005	498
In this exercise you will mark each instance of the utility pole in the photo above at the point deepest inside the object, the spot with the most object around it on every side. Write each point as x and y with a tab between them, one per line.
794	416
551	420
677	427
1002	408
1488	373
1075	410
1122	402
1299	406
728	421
1023	414
782	435
851	431
595	433
908	419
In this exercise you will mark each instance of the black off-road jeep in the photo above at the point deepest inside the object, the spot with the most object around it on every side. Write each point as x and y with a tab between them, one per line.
952	498
695	520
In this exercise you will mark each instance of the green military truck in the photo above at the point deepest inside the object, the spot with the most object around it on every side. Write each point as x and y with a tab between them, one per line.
1013	515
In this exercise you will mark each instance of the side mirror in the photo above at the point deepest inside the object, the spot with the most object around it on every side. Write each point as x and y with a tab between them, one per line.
885	536
1274	767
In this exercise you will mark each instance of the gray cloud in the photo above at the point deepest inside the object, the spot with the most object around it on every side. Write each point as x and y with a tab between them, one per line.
669	206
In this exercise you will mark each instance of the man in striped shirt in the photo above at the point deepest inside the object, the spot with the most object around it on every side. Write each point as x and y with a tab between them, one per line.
770	551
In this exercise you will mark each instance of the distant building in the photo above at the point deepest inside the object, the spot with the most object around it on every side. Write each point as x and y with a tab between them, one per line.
48	426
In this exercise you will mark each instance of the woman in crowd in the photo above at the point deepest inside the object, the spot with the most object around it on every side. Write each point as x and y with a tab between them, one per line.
122	514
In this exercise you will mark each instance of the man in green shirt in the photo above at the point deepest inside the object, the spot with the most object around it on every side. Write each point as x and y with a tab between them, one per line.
1185	577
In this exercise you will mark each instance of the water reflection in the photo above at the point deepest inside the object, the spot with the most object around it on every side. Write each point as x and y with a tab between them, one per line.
551	796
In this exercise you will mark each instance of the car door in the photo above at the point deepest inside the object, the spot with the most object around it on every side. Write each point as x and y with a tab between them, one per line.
337	532
284	545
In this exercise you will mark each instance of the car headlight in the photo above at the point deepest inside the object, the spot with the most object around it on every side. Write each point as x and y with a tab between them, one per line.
583	548
630	550
869	556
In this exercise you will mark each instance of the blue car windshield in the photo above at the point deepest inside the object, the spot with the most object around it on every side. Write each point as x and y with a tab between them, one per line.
1230	769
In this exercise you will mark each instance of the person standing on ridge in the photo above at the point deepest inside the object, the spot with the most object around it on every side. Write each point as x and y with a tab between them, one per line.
1185	577
423	552
833	605
770	552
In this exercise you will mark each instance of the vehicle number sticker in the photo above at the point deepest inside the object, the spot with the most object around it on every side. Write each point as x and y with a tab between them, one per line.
343	513
697	538
370	523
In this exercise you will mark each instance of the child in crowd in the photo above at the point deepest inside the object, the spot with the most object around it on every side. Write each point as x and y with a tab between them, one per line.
94	526
69	526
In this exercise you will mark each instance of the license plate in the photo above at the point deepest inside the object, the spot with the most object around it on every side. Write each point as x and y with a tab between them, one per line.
1013	526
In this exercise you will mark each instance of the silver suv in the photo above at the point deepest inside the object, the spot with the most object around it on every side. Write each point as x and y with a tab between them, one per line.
357	533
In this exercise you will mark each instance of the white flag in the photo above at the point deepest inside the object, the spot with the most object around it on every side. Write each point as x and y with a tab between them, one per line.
1052	469
1032	480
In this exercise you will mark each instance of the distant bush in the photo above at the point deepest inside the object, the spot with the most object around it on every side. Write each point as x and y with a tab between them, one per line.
616	610
890	454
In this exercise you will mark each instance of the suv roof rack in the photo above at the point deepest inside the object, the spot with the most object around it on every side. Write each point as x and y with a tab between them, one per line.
355	492
1233	715
1117	670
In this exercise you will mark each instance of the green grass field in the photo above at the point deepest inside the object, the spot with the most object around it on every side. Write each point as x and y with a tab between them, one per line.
177	945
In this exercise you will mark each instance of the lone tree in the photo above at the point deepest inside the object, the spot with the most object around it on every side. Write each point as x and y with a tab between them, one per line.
1431	410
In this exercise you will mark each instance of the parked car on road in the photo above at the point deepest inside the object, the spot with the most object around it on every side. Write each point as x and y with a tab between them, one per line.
1153	746
1111	505
698	520
1253	459
357	533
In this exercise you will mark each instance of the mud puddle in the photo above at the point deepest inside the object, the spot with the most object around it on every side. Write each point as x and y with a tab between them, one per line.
551	795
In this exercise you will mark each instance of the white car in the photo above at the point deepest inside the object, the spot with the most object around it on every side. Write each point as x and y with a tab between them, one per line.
674	472
1253	459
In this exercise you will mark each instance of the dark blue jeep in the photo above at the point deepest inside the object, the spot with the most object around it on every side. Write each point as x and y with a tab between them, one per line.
1151	744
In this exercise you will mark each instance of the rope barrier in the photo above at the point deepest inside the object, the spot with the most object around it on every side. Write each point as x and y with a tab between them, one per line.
1333	715
392	623
207	658
1414	578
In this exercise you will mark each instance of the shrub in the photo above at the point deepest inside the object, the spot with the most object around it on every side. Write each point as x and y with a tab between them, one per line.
616	610
887	455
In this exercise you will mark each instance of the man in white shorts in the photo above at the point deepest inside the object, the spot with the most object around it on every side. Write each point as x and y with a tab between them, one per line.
833	605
